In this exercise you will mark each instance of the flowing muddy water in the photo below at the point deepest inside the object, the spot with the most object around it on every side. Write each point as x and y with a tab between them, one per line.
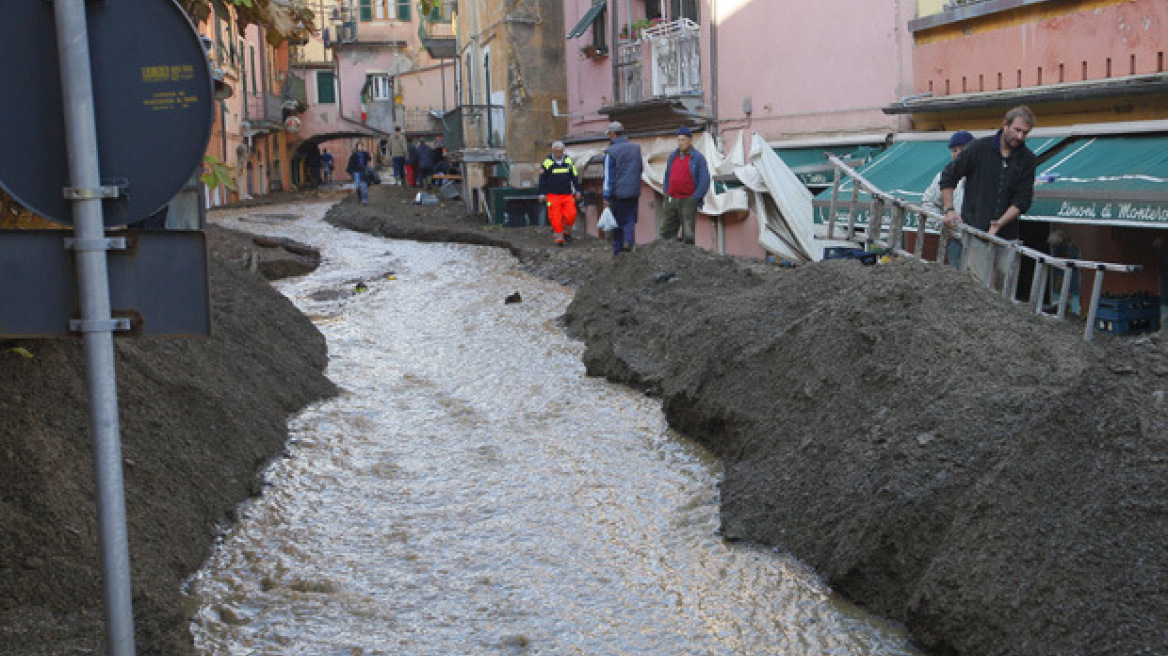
472	492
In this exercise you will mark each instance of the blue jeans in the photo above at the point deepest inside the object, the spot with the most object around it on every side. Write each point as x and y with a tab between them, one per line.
362	187
399	170
953	253
624	210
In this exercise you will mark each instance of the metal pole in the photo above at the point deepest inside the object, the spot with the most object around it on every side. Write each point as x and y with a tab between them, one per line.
93	293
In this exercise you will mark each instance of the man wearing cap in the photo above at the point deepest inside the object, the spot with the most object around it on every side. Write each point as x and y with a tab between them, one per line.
622	186
932	199
559	187
685	188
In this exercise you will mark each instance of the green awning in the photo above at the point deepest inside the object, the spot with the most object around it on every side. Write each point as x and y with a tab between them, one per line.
1107	180
905	171
813	169
586	20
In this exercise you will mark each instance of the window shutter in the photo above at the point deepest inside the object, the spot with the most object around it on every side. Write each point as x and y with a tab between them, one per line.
326	88
366	10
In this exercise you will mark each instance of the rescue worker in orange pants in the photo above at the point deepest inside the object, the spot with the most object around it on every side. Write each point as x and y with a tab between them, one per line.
559	187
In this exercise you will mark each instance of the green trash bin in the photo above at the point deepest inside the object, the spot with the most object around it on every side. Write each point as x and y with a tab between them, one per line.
513	207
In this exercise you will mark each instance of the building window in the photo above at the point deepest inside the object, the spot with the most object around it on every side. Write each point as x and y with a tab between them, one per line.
379	87
383	10
326	88
600	30
441	13
679	9
251	51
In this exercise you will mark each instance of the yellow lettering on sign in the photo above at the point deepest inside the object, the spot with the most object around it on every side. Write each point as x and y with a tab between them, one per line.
174	73
155	73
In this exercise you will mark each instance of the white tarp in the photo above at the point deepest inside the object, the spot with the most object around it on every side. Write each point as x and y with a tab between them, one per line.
795	220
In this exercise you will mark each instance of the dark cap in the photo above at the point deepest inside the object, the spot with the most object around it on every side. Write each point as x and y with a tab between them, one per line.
959	139
684	130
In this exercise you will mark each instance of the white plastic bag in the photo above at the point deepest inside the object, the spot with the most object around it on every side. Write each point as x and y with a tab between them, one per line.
607	220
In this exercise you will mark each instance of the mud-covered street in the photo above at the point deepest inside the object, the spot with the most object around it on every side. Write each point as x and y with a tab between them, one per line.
936	455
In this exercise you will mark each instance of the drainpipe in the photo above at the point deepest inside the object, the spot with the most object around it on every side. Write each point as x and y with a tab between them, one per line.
714	69
474	55
614	33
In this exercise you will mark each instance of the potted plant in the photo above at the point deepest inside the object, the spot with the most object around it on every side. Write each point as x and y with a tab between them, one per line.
633	30
592	51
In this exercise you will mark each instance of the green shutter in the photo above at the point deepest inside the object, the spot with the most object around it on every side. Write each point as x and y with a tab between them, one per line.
326	88
366	10
403	10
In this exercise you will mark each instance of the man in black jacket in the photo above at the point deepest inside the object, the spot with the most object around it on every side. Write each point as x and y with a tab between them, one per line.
999	178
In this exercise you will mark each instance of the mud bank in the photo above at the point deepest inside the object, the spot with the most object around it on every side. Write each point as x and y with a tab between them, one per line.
200	416
939	456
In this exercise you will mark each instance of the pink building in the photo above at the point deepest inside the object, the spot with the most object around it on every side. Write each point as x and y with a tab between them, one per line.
377	65
803	74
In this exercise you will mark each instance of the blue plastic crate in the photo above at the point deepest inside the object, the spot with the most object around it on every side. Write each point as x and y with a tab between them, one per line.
1131	313
845	253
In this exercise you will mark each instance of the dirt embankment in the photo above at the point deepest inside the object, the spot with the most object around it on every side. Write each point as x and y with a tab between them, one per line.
199	417
941	457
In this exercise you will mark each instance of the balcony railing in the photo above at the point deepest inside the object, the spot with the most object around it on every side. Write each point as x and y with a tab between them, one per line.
264	107
474	126
674	57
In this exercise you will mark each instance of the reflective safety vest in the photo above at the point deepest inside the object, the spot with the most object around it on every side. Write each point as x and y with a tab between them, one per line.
558	177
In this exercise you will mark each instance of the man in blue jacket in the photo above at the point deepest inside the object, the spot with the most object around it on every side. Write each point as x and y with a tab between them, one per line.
685	188
622	186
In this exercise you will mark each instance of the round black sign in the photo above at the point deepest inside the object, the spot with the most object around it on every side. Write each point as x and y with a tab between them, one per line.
153	101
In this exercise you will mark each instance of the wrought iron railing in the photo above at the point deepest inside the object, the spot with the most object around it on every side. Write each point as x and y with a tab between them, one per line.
474	126
670	52
264	107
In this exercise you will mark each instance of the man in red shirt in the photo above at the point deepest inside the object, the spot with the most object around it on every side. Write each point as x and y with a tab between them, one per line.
687	179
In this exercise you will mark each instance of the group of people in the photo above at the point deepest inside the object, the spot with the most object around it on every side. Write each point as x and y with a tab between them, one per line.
988	184
414	164
687	179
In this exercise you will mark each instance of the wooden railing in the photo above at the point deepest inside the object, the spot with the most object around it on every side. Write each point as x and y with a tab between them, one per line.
995	247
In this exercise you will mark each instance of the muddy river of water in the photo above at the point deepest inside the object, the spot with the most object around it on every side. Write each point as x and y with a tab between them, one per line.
472	492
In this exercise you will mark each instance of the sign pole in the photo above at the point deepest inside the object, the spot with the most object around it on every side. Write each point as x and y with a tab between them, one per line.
96	324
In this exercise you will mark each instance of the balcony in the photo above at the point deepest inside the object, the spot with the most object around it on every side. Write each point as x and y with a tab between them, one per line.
438	38
674	56
296	92
263	113
474	127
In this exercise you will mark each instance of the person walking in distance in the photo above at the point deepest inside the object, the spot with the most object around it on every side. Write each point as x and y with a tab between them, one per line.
622	186
932	199
687	179
559	187
358	169
425	163
999	180
326	165
398	150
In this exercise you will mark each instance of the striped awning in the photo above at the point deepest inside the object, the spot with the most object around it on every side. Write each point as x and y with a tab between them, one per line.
587	18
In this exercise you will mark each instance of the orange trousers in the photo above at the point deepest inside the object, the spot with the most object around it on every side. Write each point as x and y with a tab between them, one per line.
561	212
